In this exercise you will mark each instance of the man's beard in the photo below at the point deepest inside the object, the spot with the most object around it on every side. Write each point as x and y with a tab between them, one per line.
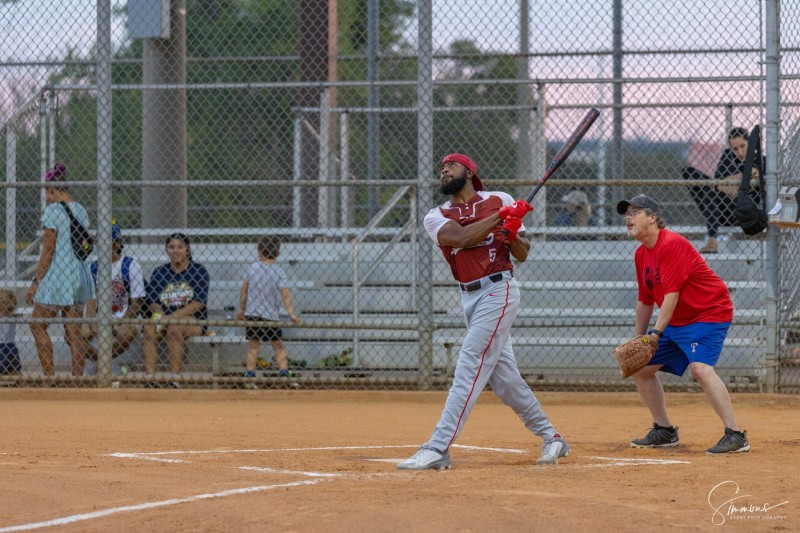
454	185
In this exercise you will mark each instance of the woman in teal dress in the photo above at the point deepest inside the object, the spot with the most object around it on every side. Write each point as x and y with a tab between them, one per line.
62	283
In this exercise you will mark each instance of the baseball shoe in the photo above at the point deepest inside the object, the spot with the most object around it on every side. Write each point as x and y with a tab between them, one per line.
552	450
731	442
658	437
426	459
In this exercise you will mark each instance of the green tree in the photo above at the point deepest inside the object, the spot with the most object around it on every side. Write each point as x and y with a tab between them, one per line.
487	135
232	133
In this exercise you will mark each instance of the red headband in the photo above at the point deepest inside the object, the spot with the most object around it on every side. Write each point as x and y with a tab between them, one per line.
469	164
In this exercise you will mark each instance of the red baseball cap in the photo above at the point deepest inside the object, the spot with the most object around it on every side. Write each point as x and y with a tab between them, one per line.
469	164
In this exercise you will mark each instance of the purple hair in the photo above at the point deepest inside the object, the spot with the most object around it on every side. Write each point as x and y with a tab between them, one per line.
57	173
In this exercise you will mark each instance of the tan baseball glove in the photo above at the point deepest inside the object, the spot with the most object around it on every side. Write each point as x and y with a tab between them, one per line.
634	355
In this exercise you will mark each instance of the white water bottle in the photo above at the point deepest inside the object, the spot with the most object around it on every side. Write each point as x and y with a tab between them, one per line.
230	315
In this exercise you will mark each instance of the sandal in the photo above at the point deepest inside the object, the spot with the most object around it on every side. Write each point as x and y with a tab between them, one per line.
710	247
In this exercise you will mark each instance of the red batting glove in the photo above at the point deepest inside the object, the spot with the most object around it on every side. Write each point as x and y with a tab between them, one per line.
511	226
518	209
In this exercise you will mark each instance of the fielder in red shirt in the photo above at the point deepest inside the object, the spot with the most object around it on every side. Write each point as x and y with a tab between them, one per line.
695	313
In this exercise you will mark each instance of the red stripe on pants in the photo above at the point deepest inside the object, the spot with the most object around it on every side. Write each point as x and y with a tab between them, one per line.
480	367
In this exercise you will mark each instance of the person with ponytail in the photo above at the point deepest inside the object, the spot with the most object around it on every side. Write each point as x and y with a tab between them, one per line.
62	283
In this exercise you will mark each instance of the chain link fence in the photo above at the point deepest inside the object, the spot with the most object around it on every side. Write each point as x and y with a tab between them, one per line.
235	127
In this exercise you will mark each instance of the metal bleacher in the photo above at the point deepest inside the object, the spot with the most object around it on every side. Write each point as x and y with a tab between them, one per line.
577	303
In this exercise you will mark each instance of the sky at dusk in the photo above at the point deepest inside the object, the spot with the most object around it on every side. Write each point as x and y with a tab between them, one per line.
37	30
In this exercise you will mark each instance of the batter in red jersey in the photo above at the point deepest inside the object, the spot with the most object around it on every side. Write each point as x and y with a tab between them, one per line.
695	313
478	232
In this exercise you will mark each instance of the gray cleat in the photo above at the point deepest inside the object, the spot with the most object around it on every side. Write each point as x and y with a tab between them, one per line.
553	450
426	459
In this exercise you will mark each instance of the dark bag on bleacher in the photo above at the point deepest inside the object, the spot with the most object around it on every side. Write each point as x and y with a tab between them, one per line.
82	242
750	216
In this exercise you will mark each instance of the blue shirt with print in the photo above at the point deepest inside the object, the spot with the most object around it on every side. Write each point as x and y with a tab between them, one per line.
175	290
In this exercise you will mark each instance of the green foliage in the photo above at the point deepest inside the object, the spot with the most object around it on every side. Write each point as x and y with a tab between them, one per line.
247	134
487	135
392	14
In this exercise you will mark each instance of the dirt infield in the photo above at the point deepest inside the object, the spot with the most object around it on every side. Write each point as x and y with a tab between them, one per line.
139	460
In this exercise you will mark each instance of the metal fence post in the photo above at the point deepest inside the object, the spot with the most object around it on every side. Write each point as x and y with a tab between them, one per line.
297	170
772	260
324	157
425	194
104	215
11	203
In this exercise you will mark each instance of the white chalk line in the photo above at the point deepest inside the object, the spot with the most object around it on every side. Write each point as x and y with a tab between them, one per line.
146	457
156	456
291	472
634	461
151	505
483	449
318	476
311	474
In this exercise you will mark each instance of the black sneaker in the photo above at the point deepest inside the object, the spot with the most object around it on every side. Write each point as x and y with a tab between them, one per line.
658	437
731	442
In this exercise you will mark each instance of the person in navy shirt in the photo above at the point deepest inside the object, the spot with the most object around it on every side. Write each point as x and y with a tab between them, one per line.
177	290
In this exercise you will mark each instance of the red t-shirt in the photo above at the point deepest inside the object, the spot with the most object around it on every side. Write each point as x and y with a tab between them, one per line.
674	265
491	255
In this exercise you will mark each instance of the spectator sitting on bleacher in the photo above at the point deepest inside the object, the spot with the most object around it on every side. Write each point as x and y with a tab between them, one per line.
10	363
177	290
263	284
127	295
718	204
577	212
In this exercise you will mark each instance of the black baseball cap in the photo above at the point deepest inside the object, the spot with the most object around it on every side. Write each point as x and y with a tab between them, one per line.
639	200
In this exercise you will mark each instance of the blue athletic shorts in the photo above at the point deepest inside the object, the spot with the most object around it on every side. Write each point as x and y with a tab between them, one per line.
693	343
9	359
